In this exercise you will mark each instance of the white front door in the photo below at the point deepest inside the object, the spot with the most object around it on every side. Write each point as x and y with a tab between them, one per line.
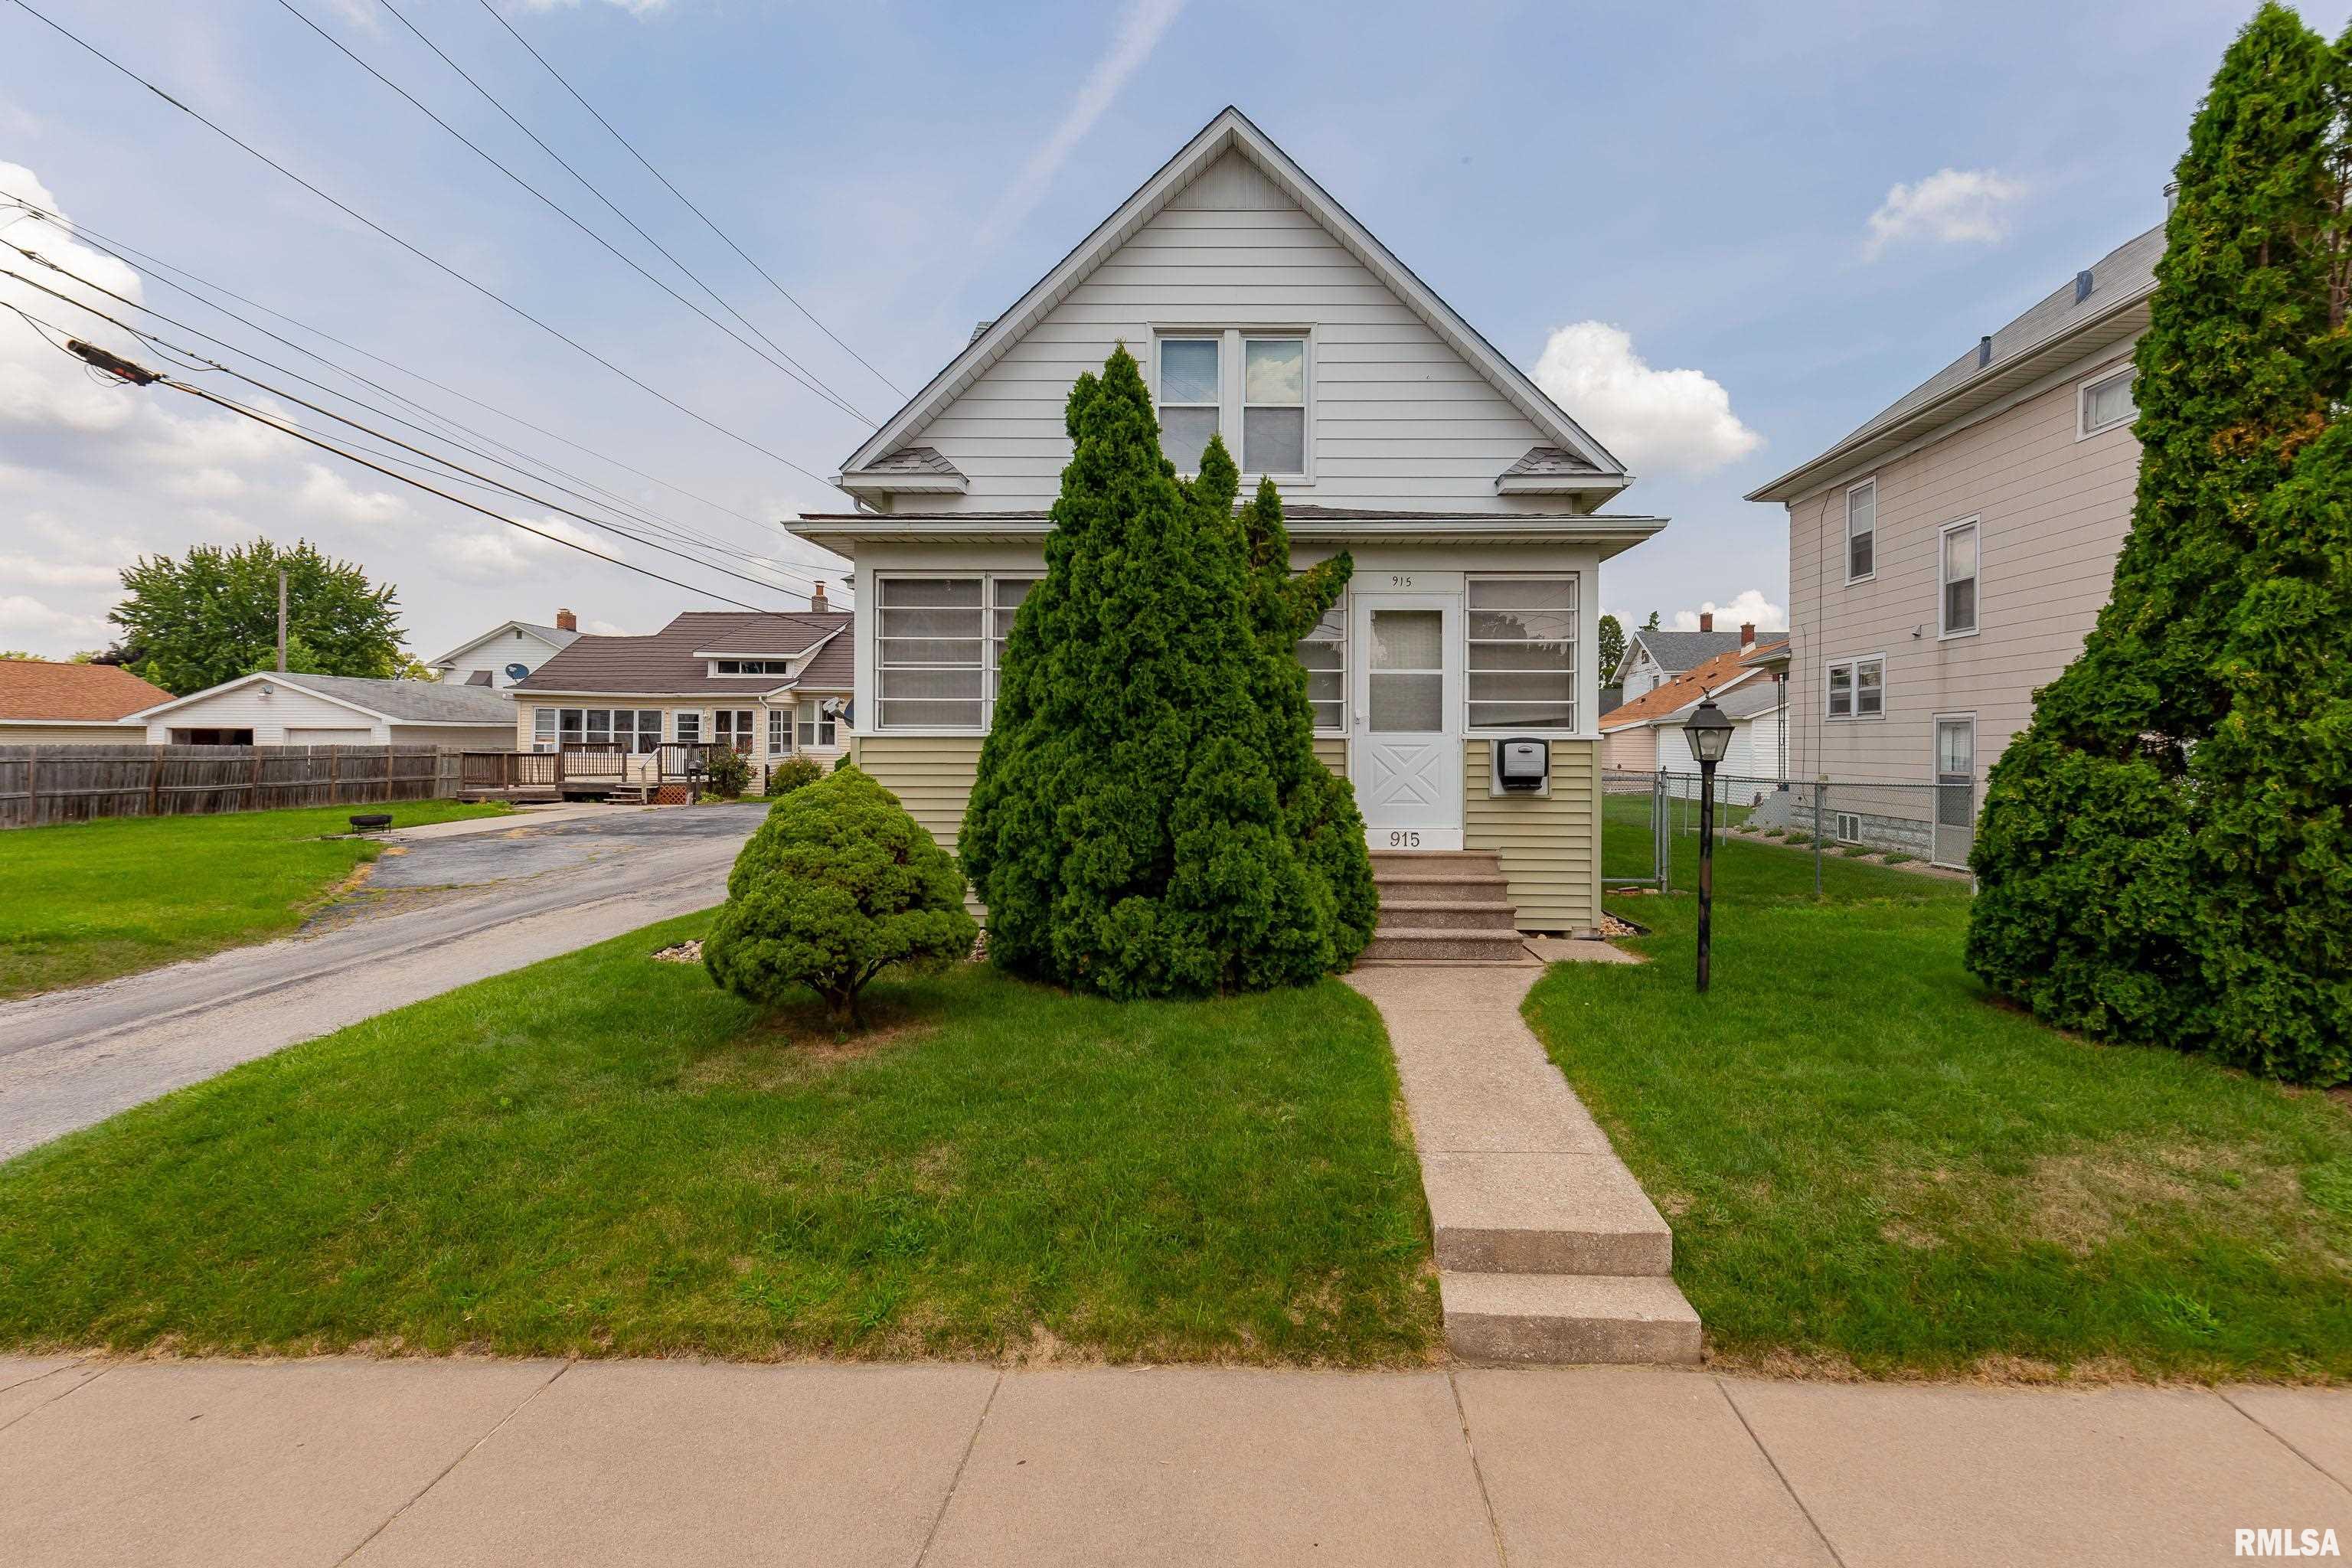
1406	712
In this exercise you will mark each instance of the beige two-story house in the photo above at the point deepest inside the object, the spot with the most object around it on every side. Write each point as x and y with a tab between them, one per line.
1949	556
1263	311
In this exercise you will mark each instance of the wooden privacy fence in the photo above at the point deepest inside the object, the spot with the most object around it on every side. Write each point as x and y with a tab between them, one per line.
42	785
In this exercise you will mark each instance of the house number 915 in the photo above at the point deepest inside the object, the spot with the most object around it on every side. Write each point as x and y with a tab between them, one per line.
1401	580
1404	840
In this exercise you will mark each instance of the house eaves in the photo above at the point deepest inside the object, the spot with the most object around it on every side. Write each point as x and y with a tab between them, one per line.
1231	131
146	714
1609	533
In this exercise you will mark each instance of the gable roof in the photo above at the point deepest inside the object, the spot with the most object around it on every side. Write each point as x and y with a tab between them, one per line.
675	660
2068	323
395	701
1232	132
1718	674
555	636
91	693
1676	652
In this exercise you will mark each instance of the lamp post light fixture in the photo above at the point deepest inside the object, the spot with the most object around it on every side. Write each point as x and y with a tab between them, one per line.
1709	734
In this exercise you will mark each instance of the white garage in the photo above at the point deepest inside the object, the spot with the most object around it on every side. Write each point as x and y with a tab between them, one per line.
285	710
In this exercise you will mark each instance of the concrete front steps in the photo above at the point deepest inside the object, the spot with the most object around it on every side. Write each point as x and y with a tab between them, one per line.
1547	1249
1443	907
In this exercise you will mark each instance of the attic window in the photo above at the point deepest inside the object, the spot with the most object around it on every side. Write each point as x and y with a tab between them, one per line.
1265	404
1273	405
752	667
1190	399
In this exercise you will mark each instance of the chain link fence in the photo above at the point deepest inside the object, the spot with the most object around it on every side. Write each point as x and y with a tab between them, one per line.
1642	814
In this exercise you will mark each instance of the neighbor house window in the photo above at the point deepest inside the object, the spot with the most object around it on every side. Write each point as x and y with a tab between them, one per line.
628	728
1959	576
542	729
1190	394
1273	405
2107	403
1857	688
1324	651
735	728
1522	666
815	729
752	667
1004	596
780	731
932	653
690	728
1861	531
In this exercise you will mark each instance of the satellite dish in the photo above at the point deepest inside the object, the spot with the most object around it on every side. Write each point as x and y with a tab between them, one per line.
516	671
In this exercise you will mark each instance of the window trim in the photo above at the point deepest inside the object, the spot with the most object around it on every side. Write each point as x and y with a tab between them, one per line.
1231	390
1871	484
1576	702
2084	428
1854	661
987	576
1160	340
1944	631
1343	607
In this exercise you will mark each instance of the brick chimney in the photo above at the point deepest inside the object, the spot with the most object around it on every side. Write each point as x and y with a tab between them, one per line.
1706	620
565	621
1747	634
817	599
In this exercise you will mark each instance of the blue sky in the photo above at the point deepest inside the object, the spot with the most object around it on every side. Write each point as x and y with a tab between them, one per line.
1701	179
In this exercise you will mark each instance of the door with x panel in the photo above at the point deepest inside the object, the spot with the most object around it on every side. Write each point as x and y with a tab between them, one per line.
1407	720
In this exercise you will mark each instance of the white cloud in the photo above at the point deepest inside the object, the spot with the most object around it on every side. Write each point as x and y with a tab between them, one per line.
1949	206
1654	420
327	493
39	384
497	553
1750	606
34	570
22	612
1139	31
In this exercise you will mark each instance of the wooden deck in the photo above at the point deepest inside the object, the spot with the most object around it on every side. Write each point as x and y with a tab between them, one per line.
582	772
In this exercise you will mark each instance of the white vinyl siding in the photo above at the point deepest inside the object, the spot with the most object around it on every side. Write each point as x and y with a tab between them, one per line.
1396	418
1521	670
2107	403
1862	532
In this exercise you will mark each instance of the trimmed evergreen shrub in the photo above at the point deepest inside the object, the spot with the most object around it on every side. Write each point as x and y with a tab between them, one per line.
2162	854
1145	822
790	775
838	884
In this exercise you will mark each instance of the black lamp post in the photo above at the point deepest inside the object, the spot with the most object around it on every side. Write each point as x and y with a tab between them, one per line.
1709	734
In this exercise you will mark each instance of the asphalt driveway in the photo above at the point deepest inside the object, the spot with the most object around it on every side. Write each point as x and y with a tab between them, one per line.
448	905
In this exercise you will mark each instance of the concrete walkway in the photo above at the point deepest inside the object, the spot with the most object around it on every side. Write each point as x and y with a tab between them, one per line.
460	1462
1547	1249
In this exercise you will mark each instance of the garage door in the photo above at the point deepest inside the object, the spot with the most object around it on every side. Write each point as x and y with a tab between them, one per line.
330	738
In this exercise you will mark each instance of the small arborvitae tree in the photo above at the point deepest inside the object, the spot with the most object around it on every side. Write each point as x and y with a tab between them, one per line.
838	884
2104	865
1127	829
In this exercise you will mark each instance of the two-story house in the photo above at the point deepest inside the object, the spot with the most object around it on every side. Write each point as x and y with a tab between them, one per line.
1654	658
1261	310
507	653
1950	556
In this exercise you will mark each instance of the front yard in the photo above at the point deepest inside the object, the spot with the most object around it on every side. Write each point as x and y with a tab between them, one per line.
604	1154
1870	1163
87	902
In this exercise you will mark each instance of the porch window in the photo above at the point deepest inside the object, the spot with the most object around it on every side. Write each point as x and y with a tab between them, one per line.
1522	666
815	729
735	728
1191	394
542	729
1861	531
1004	596
930	655
780	731
1959	574
1273	405
1324	651
689	727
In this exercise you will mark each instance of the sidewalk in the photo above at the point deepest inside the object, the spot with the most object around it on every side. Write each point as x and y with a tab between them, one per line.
455	1462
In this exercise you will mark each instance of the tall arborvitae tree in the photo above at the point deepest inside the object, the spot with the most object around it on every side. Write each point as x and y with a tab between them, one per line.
2094	851
1125	829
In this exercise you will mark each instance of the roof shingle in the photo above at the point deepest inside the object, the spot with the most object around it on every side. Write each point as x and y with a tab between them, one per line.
36	689
664	664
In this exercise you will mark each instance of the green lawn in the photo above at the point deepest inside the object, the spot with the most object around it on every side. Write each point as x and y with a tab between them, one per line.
87	902
1870	1163
605	1154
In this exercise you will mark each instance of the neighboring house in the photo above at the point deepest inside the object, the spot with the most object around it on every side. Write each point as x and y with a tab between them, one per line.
45	704
1261	308
1950	555
274	708
506	653
1653	657
1645	735
768	685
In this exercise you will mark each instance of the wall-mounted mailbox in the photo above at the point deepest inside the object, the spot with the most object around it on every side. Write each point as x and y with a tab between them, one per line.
1523	766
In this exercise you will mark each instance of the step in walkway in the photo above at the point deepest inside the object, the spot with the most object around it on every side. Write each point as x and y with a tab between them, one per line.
1547	1249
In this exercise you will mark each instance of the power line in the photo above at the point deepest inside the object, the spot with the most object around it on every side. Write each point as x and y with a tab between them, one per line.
798	374
648	520
681	196
421	255
163	272
592	188
381	436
